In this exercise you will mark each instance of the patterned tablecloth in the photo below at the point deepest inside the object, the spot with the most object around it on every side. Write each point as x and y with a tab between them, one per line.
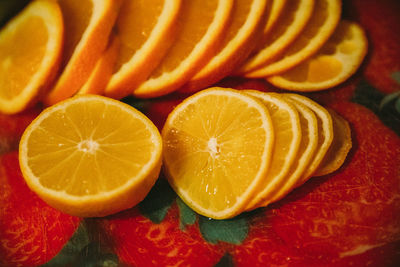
348	218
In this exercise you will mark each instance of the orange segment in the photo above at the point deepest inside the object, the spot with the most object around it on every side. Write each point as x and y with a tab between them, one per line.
91	155
307	149
287	131
242	35
289	25
102	72
201	23
146	29
325	17
87	27
325	133
217	148
335	62
339	148
30	50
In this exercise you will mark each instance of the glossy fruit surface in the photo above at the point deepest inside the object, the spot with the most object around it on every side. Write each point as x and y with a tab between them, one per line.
91	156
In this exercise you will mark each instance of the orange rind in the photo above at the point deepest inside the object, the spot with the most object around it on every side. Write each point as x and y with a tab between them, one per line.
30	52
91	156
336	61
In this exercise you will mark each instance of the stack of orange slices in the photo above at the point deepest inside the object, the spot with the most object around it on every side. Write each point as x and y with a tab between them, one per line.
30	53
225	151
88	24
150	49
325	52
228	151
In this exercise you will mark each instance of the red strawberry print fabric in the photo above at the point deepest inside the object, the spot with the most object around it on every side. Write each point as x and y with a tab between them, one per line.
348	218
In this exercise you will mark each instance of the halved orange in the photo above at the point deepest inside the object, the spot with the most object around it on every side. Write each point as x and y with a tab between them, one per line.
339	148
244	31
30	53
287	131
91	156
307	149
217	148
336	61
290	24
88	24
325	133
147	29
201	23
322	24
101	74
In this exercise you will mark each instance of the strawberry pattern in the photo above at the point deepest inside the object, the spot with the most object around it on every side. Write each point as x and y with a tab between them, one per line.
347	218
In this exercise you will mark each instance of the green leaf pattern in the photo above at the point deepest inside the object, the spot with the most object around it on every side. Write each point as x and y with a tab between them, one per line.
370	97
81	251
232	231
187	215
157	203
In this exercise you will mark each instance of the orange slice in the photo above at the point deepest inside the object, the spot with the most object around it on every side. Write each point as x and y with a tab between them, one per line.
146	29
202	23
30	52
91	155
102	72
217	148
88	24
339	148
287	131
325	17
336	61
274	11
307	149
289	25
241	37
325	133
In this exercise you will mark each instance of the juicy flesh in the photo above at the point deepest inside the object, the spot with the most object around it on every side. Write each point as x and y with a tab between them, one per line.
85	147
339	147
215	152
330	62
284	134
284	22
134	30
280	34
21	53
77	16
317	20
241	10
194	20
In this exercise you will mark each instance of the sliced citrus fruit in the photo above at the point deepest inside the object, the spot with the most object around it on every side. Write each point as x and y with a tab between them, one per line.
217	148
88	24
287	131
322	24
274	11
242	34
336	61
91	155
307	149
30	52
146	29
339	148
289	25
201	23
101	74
325	133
